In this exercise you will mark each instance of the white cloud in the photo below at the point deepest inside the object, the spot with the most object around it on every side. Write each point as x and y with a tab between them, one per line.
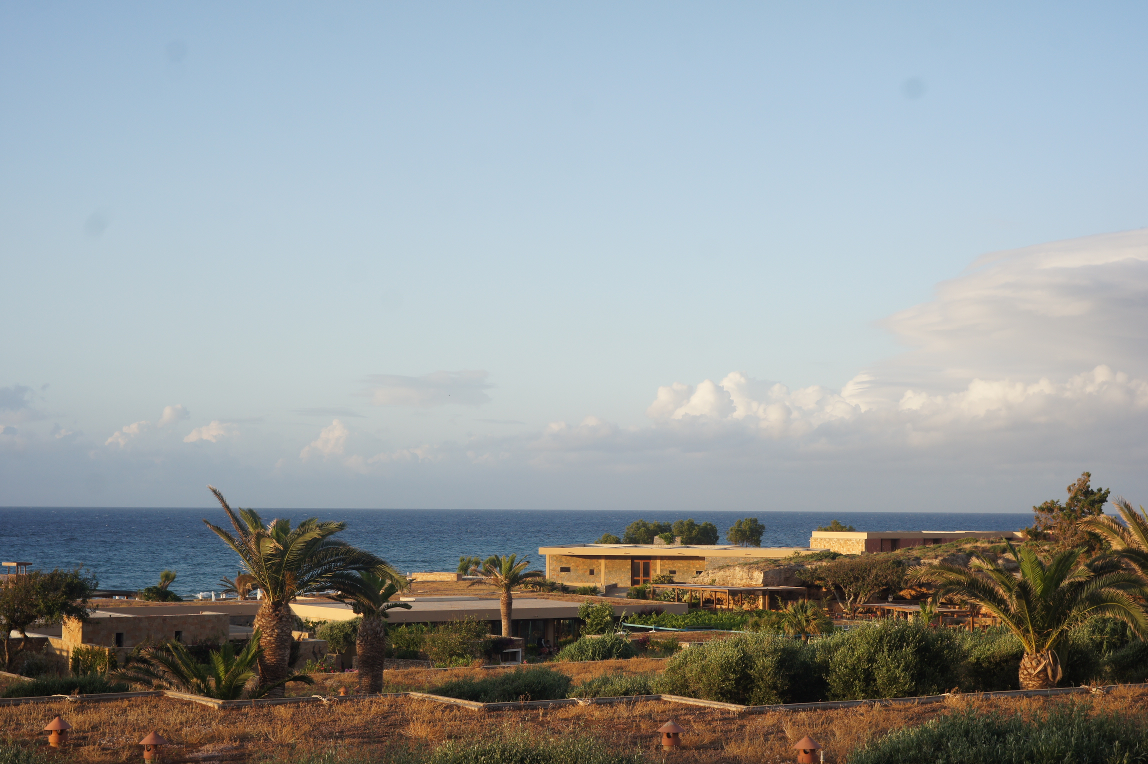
331	442
464	388
172	414
128	432
213	432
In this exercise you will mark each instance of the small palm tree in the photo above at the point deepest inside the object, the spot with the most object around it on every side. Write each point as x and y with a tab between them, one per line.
1129	540
804	619
370	598
1042	602
506	573
467	563
166	579
285	563
171	665
240	586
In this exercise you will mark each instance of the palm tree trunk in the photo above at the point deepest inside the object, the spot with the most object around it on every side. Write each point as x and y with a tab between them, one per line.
275	622
371	647
1039	671
507	604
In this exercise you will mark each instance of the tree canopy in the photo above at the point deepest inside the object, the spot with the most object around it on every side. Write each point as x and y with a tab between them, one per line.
836	527
608	538
1060	522
853	580
642	532
39	597
746	532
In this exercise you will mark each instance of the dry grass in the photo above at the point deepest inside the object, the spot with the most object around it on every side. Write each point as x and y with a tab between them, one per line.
108	732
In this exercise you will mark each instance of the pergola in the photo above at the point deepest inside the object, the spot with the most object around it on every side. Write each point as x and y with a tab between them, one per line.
731	597
10	571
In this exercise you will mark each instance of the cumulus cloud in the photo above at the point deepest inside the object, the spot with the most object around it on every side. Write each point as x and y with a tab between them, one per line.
128	432
213	432
15	398
464	388
332	441
172	414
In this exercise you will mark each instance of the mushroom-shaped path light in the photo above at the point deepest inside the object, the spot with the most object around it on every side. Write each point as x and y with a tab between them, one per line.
671	735
58	732
806	747
151	745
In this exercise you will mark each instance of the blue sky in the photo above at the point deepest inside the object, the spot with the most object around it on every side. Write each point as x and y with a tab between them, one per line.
449	254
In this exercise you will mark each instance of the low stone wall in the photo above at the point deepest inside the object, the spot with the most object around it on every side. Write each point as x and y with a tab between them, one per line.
436	576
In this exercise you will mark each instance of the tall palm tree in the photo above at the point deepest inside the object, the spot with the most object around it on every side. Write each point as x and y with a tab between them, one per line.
1042	602
1129	540
286	562
370	597
505	573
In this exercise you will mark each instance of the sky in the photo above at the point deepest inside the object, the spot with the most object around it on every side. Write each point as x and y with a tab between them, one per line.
677	256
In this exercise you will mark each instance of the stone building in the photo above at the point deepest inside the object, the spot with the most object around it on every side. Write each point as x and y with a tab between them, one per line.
867	542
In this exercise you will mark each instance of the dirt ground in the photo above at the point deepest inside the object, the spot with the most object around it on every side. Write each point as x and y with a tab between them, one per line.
109	732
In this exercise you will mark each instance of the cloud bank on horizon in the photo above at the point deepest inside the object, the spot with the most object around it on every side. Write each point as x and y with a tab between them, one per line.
1029	366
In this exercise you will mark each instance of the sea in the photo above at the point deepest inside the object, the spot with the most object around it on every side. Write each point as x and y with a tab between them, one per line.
126	548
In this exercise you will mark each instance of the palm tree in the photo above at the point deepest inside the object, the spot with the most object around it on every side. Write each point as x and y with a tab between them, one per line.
1042	602
173	666
370	598
166	579
505	573
1129	540
240	586
804	618
286	562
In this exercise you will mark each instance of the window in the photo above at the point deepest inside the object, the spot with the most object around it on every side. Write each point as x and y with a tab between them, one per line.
564	570
179	636
591	571
673	572
119	639
697	572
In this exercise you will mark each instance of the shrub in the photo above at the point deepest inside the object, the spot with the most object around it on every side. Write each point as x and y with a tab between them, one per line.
509	686
156	594
597	618
890	660
35	665
406	641
1067	733
457	642
990	661
83	685
544	585
751	669
662	578
1128	665
639	592
340	635
661	648
608	647
589	591
695	619
90	659
528	749
615	686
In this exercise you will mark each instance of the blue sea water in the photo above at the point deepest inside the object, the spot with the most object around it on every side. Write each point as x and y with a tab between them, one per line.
127	548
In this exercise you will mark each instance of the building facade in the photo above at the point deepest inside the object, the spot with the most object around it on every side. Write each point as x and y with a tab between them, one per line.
864	542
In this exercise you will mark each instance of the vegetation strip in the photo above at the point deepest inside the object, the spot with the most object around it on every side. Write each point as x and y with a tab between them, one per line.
96	698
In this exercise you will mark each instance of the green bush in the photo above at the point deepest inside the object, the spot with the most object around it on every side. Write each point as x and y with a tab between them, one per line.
596	618
1064	734
695	619
608	647
35	665
156	594
406	641
509	686
1128	665
528	749
340	635
590	591
84	685
639	592
457	642
990	661
615	686
90	659
890	660
750	669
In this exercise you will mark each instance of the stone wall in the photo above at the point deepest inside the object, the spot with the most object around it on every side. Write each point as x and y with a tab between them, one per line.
193	629
615	569
436	576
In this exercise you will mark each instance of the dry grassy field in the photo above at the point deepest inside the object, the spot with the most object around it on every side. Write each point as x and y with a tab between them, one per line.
108	732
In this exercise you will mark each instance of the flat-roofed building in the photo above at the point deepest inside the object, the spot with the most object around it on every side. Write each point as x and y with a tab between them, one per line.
624	565
868	542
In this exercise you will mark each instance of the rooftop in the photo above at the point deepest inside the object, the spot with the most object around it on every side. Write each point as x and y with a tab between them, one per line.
676	550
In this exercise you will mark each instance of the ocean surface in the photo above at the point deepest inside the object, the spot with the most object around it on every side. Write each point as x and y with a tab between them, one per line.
127	548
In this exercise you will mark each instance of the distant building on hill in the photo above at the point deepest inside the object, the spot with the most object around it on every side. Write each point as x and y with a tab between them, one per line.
866	542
